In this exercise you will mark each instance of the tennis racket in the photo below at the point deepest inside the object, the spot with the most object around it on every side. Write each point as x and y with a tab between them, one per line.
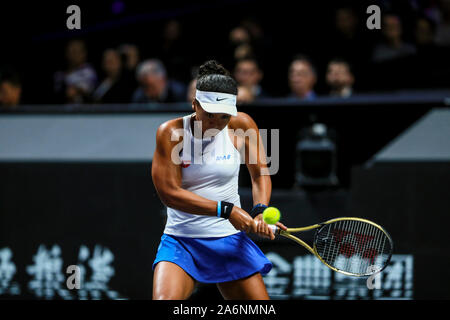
352	246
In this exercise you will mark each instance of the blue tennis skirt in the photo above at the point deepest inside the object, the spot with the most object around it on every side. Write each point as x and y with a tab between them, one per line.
214	260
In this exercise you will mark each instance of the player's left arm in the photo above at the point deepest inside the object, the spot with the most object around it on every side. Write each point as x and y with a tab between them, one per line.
256	162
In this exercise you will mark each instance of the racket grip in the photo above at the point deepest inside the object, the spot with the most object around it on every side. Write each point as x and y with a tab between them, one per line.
274	228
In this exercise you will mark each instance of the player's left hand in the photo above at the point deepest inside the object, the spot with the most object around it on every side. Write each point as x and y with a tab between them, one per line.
263	229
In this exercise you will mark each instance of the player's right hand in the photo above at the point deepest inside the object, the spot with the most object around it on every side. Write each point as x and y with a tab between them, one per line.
242	221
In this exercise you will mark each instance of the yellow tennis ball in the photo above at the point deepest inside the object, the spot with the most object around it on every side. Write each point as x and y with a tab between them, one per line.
271	215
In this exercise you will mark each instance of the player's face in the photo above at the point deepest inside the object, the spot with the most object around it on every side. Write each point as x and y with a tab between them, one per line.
210	120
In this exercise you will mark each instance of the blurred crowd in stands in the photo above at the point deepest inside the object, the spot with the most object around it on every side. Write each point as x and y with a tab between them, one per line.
124	74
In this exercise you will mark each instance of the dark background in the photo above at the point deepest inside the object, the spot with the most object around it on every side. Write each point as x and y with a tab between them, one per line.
34	35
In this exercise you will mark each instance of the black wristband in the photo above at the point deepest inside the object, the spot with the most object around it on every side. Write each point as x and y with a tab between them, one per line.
257	209
224	209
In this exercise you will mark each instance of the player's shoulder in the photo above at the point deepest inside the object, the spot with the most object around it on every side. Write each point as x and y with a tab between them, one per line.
242	121
170	128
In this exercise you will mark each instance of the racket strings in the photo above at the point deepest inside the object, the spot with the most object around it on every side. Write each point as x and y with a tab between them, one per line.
353	246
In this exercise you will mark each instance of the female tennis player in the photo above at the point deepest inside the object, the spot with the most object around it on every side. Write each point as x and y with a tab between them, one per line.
205	238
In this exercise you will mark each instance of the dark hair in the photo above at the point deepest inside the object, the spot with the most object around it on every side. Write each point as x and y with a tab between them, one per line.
307	59
212	76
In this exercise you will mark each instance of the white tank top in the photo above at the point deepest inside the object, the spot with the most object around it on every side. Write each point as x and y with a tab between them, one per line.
211	172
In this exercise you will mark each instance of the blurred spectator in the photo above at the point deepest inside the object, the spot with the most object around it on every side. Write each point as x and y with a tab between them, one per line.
77	82
348	40
346	22
248	74
130	56
261	40
113	88
192	87
238	46
239	35
254	29
10	90
154	85
302	78
249	39
424	32
191	90
240	41
243	51
245	95
393	45
173	51
431	59
427	50
443	28
340	78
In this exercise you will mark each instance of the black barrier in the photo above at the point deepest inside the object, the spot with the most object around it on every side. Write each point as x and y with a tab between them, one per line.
411	198
104	218
406	186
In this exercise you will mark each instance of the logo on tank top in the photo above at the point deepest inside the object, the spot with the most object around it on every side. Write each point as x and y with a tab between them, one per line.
224	157
185	164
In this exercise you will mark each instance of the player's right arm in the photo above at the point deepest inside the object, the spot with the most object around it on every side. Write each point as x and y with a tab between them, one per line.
167	177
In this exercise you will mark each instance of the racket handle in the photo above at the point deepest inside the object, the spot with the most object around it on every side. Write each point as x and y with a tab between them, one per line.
274	228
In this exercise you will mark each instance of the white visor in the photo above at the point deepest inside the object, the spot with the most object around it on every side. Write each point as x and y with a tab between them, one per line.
217	102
